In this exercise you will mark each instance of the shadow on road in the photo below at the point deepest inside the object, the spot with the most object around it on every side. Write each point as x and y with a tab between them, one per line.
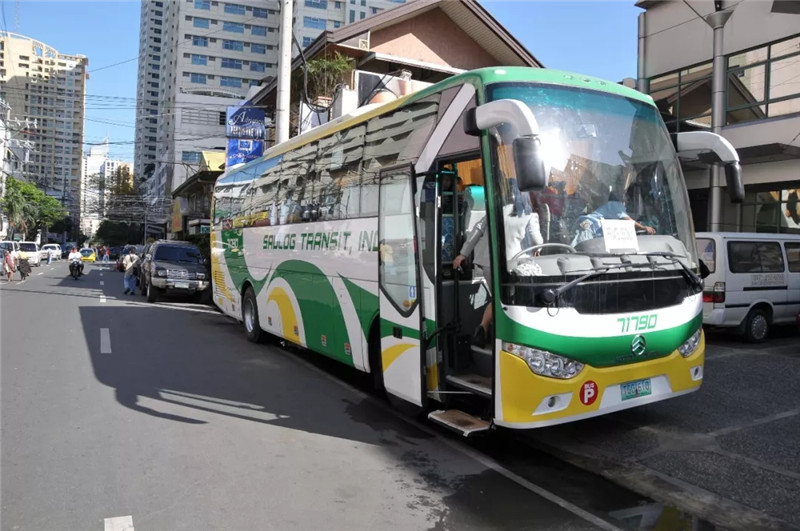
200	361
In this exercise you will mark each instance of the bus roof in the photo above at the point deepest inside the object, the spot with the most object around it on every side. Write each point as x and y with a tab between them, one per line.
486	76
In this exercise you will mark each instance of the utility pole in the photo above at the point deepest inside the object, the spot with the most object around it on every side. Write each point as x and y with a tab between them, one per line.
284	72
717	21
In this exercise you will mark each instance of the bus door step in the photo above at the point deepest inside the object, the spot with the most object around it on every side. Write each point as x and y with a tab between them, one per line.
458	421
479	385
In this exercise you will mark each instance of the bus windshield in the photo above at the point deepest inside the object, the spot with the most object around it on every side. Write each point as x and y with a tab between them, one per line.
615	189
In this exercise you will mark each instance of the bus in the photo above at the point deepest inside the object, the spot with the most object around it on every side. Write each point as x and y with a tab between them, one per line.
343	240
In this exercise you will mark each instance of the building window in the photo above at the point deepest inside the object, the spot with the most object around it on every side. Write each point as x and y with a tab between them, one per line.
236	46
258	48
352	16
227	62
336	24
198	78
202	4
230	82
259	30
337	5
257	67
315	23
362	15
307	41
234	9
191	156
199	59
233	27
319	4
200	22
259	12
200	41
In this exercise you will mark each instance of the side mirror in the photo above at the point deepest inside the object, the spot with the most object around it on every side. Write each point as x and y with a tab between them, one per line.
529	165
733	178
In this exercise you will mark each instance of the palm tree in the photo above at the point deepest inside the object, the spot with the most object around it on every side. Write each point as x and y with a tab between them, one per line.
17	209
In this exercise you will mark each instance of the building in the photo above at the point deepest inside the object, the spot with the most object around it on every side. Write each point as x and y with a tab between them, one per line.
97	181
761	49
191	208
198	57
46	91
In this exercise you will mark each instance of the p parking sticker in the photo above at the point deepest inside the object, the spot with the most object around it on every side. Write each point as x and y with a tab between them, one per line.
588	392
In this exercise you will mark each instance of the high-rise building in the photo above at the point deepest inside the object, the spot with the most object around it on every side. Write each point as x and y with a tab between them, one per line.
202	56
46	91
97	180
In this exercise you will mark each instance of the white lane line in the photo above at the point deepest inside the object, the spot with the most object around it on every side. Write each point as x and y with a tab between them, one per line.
102	283
39	274
102	299
486	461
119	523
105	341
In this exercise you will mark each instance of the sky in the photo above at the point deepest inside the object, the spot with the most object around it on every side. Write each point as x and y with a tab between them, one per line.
596	38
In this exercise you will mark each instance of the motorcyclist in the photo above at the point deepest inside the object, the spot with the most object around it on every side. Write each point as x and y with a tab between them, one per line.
76	257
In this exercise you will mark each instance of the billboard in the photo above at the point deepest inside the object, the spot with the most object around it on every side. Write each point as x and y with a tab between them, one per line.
243	150
245	121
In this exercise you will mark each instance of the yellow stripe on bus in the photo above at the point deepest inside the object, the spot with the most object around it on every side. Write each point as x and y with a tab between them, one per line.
216	271
389	355
288	318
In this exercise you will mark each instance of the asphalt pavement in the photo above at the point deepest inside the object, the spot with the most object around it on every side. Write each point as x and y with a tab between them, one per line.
118	414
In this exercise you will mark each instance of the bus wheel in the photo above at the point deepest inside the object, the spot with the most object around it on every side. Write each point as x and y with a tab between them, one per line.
756	326
252	328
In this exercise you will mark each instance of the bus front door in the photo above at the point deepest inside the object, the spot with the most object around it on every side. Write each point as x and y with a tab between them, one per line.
400	302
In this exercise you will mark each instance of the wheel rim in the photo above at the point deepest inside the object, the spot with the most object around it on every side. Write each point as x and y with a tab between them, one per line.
759	326
249	315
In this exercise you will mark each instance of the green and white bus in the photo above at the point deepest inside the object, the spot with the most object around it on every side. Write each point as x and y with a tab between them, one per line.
342	240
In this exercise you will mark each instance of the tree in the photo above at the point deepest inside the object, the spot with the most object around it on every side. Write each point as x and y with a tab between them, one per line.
321	78
29	209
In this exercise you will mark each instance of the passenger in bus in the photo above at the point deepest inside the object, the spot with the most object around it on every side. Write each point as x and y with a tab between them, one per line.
521	226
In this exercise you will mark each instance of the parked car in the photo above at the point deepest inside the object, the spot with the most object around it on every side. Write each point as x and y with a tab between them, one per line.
753	281
52	249
30	251
137	266
173	267
87	255
10	246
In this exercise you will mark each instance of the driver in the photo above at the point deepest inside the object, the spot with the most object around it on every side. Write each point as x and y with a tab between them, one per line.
77	257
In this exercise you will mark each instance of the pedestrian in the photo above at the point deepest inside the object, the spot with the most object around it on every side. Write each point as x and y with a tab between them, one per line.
106	255
129	280
8	265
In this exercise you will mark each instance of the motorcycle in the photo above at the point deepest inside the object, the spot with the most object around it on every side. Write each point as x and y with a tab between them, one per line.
75	267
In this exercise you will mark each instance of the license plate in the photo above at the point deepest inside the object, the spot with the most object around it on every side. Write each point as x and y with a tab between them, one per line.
185	285
635	389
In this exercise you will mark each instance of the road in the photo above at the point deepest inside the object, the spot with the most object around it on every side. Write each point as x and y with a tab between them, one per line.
118	414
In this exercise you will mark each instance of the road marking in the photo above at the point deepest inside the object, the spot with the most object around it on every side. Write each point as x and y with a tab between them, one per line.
102	283
101	273
119	523
102	298
105	341
39	274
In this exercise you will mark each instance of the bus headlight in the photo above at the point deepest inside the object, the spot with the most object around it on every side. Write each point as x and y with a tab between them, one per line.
691	344
545	363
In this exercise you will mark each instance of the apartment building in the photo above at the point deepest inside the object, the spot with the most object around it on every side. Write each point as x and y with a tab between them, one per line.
46	91
202	56
761	48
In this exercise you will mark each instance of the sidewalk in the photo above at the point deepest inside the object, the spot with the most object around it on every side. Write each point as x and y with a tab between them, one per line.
729	453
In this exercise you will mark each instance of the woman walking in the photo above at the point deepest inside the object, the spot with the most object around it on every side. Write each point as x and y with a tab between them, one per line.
8	265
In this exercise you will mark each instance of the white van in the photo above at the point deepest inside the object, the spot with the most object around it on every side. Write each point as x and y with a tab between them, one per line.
30	250
753	281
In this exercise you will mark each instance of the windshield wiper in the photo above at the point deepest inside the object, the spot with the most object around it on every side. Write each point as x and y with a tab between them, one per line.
692	278
549	296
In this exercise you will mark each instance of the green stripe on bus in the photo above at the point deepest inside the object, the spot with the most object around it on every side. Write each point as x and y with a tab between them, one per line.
319	308
599	351
234	259
365	303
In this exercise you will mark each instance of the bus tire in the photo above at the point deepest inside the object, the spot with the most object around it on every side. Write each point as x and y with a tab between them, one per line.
375	365
756	327
252	327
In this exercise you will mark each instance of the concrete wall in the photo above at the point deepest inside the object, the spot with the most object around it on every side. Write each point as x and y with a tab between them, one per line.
433	38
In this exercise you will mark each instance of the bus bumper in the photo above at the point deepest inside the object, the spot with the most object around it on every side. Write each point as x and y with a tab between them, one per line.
527	400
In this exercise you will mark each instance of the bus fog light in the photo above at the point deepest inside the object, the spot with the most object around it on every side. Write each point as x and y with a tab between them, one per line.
545	363
552	401
697	373
690	345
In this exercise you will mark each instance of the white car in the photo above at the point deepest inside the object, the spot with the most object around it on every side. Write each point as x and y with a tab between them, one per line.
53	249
30	250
